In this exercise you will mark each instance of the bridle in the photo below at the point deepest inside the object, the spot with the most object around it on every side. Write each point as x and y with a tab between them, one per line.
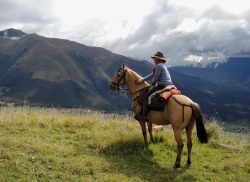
121	82
122	78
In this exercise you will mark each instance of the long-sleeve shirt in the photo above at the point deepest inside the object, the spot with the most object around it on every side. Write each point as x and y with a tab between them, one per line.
161	75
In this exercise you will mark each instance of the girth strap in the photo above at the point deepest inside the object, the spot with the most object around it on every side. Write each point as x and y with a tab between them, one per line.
183	107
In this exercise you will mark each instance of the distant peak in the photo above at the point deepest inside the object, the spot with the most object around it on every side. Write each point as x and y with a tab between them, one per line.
12	33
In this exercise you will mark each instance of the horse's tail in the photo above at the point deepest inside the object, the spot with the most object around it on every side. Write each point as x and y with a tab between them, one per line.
201	131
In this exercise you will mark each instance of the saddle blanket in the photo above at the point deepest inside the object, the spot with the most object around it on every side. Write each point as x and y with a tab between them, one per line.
165	93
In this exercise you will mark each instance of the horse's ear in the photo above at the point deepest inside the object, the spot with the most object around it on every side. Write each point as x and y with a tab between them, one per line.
124	66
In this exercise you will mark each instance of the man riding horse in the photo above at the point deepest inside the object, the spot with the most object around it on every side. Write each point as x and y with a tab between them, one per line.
160	79
179	110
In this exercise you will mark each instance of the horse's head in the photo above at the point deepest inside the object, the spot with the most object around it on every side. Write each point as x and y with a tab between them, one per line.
119	78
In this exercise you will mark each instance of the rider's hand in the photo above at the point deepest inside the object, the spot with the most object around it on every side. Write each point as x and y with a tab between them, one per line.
139	81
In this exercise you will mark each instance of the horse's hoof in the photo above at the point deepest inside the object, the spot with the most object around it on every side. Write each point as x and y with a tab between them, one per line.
188	163
177	165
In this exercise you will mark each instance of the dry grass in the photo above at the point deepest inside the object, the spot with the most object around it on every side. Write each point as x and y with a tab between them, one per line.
50	144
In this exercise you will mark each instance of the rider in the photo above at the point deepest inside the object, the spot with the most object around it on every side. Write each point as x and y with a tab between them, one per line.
160	79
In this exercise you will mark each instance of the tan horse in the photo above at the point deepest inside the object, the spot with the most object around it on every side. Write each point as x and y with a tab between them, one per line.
180	111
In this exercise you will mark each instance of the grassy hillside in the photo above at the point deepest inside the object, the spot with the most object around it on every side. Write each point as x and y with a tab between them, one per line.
75	145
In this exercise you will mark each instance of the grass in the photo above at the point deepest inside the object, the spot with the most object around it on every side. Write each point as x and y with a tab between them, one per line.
39	144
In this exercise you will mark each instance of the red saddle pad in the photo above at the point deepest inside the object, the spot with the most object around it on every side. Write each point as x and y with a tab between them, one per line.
166	95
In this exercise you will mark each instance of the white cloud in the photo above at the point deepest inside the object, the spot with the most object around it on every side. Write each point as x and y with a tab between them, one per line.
193	58
232	6
213	34
210	29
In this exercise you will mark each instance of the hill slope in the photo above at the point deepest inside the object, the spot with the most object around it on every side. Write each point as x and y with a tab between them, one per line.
58	72
62	145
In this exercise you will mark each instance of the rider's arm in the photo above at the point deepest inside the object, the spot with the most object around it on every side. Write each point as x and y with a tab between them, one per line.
148	77
157	74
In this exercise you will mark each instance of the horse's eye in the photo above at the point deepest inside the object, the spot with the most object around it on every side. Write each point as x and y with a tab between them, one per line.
119	74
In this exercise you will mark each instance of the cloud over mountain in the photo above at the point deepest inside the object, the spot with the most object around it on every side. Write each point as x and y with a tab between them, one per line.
185	33
213	35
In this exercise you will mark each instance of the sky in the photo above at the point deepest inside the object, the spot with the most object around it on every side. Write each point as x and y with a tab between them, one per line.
186	31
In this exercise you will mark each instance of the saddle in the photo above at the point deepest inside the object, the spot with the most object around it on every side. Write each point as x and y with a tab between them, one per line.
158	99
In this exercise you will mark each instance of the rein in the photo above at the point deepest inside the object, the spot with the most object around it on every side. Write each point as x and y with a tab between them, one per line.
122	78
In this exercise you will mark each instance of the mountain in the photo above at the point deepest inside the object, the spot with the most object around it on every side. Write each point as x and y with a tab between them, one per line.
224	89
12	34
44	71
233	73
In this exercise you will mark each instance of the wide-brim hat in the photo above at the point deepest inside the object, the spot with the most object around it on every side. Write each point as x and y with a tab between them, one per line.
159	55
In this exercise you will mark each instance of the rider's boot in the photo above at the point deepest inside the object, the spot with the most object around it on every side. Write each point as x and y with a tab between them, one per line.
143	115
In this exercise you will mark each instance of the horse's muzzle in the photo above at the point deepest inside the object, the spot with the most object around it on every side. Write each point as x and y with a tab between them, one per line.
112	86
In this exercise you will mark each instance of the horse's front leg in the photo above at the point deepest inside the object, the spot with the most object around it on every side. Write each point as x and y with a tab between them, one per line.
150	131
144	132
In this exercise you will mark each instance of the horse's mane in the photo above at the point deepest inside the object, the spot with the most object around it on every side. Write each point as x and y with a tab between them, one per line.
136	74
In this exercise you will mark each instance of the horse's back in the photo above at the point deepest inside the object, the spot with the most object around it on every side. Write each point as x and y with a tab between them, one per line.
177	112
183	99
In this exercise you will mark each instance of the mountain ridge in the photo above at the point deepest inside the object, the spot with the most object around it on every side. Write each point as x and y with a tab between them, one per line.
12	33
77	72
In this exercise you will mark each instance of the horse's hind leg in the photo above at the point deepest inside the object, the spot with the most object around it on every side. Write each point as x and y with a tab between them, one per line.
189	129
150	131
144	132
178	138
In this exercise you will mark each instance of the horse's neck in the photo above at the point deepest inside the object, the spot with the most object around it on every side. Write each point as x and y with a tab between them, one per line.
134	89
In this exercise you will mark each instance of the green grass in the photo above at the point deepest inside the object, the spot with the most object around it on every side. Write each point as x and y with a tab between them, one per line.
38	144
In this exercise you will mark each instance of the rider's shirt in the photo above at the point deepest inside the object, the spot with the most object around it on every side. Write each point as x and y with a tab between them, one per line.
160	75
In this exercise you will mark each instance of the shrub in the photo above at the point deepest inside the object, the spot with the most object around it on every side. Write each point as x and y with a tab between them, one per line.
213	129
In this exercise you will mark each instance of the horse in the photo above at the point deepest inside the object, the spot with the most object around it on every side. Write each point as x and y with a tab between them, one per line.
179	111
